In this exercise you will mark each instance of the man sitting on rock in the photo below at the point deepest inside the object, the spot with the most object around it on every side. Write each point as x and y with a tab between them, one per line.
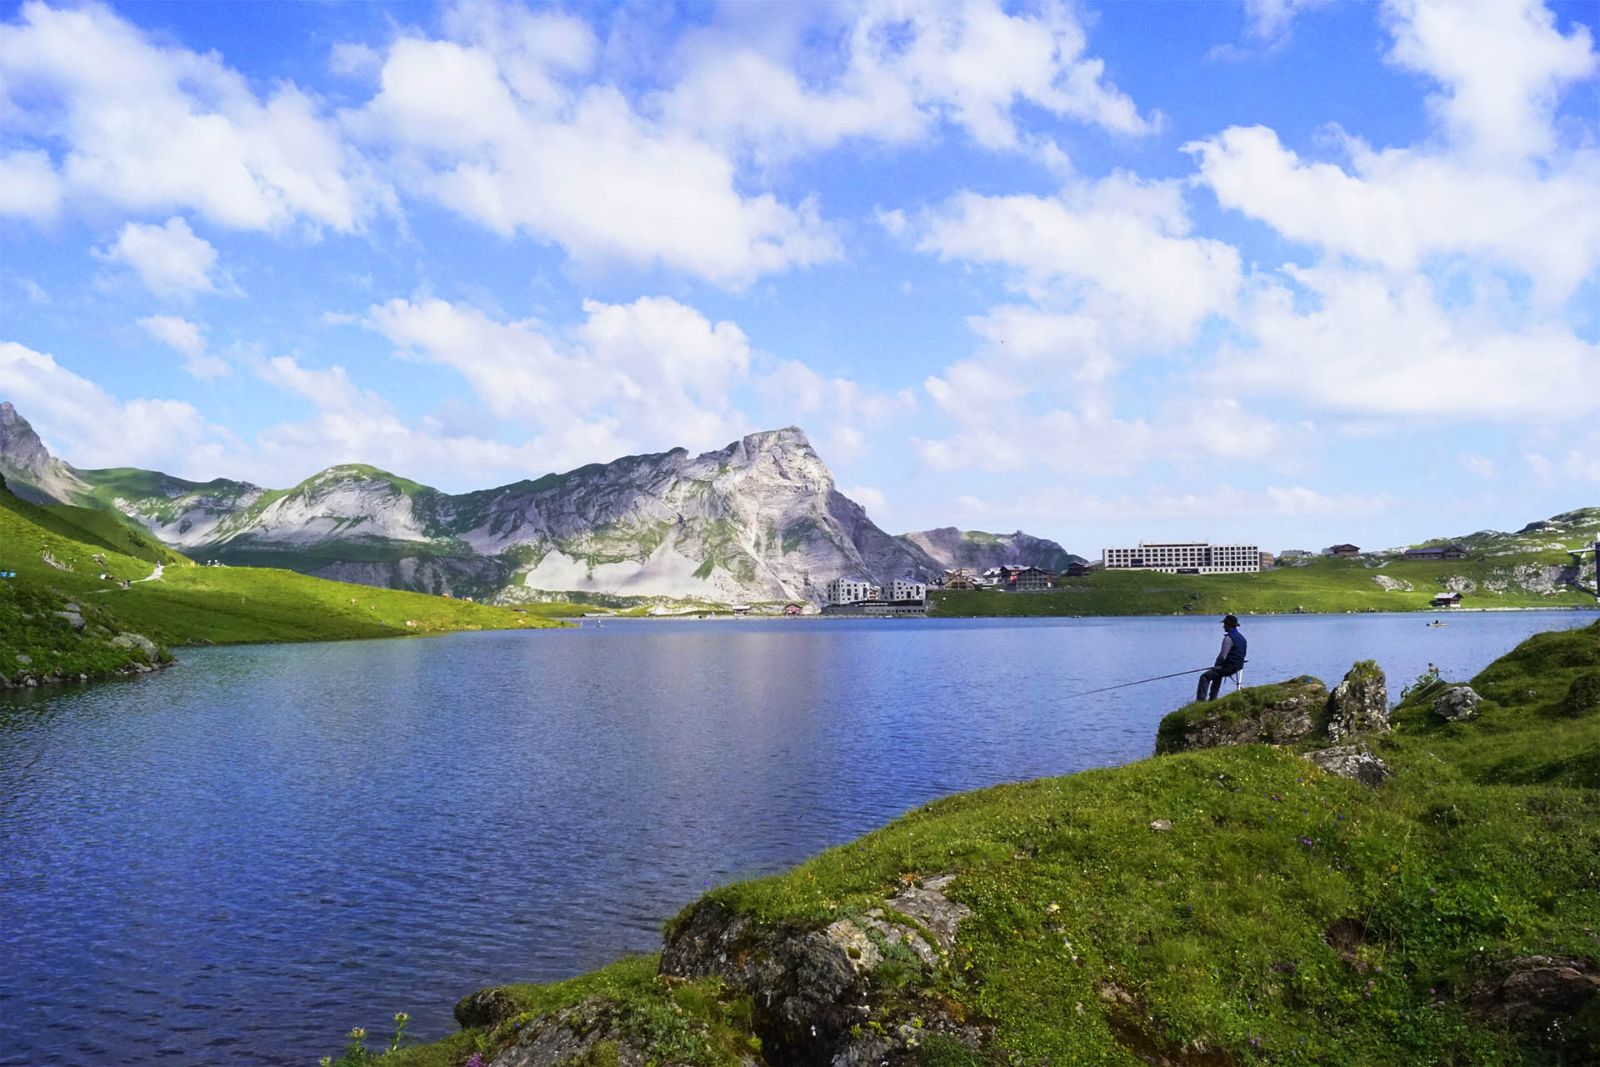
1230	660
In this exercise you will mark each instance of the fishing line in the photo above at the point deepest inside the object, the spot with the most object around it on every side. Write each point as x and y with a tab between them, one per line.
1141	681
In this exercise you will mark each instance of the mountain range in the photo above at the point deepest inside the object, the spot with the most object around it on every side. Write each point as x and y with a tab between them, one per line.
758	520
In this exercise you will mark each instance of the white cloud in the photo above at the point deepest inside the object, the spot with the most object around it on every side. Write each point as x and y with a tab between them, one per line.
630	375
186	338
898	70
148	127
591	174
170	260
89	427
1399	207
842	416
1270	19
1501	64
1117	250
1192	434
29	187
873	500
1369	346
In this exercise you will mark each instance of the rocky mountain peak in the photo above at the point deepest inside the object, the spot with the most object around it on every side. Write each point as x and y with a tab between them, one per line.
29	469
20	447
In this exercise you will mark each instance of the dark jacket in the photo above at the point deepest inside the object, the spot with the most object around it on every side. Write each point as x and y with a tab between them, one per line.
1231	658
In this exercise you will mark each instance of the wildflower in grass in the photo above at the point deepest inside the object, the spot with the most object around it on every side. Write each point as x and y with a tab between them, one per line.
474	1060
358	1033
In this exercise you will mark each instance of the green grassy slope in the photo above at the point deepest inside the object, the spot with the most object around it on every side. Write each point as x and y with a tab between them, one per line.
92	526
1320	585
1286	916
192	604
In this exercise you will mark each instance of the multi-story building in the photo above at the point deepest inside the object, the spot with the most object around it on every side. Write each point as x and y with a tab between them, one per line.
1185	557
849	590
902	589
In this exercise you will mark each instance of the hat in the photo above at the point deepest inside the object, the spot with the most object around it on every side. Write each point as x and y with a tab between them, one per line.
1230	621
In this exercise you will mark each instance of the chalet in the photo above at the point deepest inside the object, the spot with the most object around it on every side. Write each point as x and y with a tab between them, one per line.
1077	570
1343	551
792	609
960	579
1025	579
1446	600
1437	552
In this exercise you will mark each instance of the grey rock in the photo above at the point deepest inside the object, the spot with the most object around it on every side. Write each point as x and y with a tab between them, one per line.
71	618
811	988
486	1008
1359	703
24	659
1458	704
1351	761
29	470
139	641
1535	991
1295	712
588	1032
979	551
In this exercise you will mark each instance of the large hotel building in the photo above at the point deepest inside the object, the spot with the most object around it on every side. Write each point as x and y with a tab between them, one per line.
1186	557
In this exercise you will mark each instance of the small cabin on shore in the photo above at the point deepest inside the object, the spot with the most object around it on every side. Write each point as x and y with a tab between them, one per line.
1446	600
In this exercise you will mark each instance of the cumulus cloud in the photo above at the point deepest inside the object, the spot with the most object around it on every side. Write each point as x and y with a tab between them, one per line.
89	427
1500	65
149	127
1370	346
186	338
169	259
1194	434
29	186
629	375
898	71
1118	251
586	170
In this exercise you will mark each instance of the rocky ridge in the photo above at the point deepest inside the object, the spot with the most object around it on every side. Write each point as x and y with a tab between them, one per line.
978	551
758	520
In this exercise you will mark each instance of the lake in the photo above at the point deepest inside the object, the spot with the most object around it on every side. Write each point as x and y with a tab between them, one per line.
236	860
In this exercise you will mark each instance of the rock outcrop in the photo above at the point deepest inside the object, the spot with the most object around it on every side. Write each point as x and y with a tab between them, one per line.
1275	714
1583	695
1537	990
29	470
846	994
1359	703
1459	703
1351	761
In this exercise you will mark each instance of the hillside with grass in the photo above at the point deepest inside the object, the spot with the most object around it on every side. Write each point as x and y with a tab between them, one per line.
1536	568
1231	905
120	580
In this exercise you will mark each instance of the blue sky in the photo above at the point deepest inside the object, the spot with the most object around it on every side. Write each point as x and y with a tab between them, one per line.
1285	271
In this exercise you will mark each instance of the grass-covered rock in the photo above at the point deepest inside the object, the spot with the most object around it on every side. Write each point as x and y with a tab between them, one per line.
1275	714
1233	905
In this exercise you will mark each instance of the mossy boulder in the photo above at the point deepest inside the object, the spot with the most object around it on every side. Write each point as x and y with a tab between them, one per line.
1583	695
1273	714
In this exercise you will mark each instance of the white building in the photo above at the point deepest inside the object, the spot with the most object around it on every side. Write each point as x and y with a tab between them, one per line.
849	590
901	589
1185	557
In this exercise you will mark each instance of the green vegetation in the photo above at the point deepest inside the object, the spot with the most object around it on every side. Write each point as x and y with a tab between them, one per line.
60	554
1225	906
1320	585
40	639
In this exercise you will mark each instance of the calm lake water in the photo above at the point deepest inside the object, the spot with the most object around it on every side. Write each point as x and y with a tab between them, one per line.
237	860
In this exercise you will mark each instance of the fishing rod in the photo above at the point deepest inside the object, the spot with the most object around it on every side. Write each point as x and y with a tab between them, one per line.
1141	681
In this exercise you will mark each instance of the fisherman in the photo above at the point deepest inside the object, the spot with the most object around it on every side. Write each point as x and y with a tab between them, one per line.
1230	660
